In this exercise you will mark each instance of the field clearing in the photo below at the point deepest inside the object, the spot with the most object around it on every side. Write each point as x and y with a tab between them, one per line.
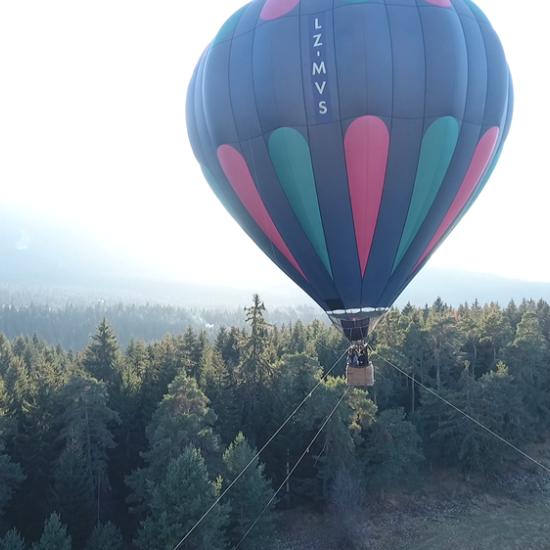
480	522
507	527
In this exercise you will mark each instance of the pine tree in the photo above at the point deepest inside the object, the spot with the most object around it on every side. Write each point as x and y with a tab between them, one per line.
12	541
87	419
345	430
11	476
220	385
393	451
105	536
249	496
55	536
254	369
182	419
73	492
178	502
527	358
102	355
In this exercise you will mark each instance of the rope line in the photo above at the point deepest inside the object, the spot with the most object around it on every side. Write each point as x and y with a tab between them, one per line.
306	451
462	412
203	517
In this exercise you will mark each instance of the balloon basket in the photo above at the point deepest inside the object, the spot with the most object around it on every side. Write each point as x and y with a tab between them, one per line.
360	376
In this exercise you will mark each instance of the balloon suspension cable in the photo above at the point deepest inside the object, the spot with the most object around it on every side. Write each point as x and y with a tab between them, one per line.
465	414
203	517
306	451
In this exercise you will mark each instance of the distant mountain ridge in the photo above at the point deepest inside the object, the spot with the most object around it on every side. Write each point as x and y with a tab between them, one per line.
46	262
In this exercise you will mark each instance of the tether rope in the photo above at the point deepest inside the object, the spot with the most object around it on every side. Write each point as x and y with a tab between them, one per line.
310	393
306	451
462	412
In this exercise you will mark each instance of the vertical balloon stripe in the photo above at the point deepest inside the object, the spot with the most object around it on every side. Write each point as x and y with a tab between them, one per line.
291	157
438	146
273	9
238	174
366	146
480	160
440	3
229	26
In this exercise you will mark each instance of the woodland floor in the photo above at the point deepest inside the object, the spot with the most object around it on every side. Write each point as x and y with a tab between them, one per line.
508	513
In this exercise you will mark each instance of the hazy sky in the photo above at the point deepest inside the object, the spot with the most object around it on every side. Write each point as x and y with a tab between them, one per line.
92	129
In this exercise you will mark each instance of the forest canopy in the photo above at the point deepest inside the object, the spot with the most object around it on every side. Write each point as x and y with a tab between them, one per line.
102	447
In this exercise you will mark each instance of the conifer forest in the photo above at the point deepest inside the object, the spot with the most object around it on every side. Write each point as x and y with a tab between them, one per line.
111	447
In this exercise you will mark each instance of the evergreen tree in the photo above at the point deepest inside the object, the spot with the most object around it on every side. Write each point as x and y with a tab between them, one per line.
11	476
496	330
228	344
73	492
527	358
453	437
220	385
345	430
102	355
254	369
178	502
87	420
444	342
105	536
249	496
12	541
393	452
182	419
55	536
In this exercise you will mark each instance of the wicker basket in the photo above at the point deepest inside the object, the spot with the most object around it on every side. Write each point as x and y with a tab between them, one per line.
360	376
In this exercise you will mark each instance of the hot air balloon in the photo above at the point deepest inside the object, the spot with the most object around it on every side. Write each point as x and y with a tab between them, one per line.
349	137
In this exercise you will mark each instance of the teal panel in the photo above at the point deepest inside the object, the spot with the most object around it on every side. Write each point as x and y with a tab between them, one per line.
229	26
476	10
356	1
438	147
291	157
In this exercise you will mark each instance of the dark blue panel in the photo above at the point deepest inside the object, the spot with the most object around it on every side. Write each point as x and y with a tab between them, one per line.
332	190
363	50
278	74
477	71
217	104
446	63
497	73
241	83
204	136
310	7
249	19
191	121
257	156
411	3
405	141
409	70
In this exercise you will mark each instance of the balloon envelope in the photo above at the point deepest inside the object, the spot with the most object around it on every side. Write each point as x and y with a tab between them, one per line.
348	137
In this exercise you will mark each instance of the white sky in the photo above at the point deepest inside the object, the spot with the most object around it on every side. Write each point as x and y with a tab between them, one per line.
92	129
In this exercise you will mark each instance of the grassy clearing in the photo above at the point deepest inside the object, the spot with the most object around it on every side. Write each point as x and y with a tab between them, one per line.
497	527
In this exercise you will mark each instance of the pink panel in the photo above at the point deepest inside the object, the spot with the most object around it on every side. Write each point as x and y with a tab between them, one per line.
273	9
482	156
441	3
366	145
238	174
